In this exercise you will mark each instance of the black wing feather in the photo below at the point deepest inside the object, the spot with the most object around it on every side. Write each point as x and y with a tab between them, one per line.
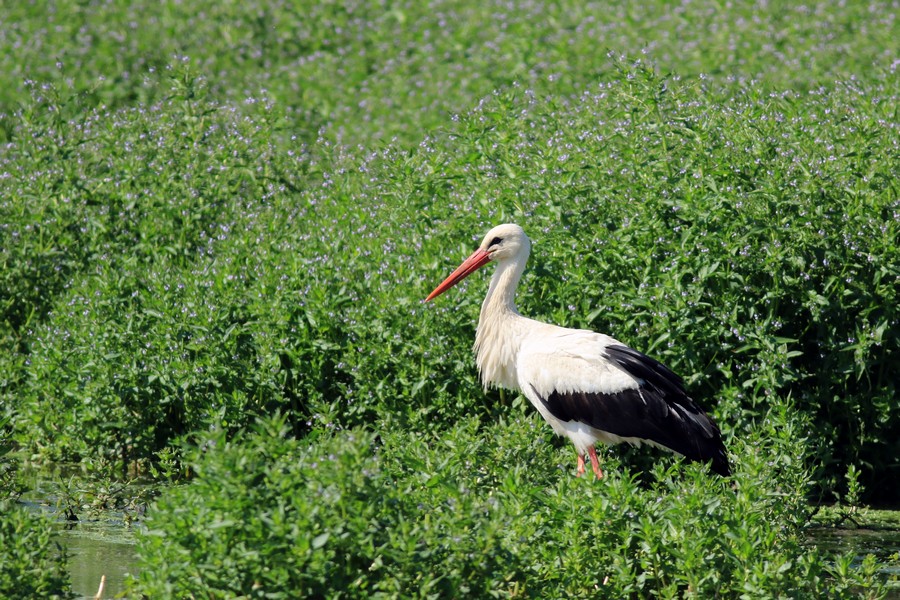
658	409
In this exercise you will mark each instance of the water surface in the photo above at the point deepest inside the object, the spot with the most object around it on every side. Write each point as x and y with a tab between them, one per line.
98	549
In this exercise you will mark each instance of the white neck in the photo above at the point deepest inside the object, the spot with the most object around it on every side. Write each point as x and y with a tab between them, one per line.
498	337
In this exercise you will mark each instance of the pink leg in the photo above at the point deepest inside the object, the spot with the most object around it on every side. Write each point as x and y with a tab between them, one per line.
580	470
595	463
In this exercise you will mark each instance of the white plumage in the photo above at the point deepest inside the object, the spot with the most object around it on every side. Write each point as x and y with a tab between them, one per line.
588	386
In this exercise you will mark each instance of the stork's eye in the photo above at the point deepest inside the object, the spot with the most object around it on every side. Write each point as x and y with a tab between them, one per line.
494	242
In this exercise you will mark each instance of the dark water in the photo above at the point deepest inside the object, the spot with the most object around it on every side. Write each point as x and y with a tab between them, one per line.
882	542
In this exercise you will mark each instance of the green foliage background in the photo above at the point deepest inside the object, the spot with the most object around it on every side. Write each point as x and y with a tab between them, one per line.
211	212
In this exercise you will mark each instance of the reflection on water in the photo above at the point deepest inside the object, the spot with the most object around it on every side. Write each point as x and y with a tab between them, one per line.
92	557
883	543
100	540
96	550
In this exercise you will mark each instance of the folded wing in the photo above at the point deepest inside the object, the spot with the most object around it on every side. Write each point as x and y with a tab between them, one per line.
614	389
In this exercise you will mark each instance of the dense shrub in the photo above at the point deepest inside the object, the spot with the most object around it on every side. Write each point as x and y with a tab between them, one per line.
7	466
364	71
116	251
32	564
744	241
479	511
211	212
184	244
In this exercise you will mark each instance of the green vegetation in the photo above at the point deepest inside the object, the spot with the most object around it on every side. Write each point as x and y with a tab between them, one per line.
211	213
32	565
482	514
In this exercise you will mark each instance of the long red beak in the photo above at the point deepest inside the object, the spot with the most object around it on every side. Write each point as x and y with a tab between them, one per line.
478	259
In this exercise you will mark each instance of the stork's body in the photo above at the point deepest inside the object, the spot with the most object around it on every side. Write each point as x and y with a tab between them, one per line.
588	386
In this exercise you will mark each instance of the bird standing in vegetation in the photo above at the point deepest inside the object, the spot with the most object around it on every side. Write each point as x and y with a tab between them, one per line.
588	386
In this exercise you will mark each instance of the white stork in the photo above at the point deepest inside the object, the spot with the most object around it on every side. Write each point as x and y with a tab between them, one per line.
590	387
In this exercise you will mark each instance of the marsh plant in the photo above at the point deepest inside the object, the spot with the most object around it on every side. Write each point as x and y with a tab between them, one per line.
481	512
211	213
749	243
32	563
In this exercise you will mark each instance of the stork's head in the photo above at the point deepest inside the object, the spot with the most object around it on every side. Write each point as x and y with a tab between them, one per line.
502	243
